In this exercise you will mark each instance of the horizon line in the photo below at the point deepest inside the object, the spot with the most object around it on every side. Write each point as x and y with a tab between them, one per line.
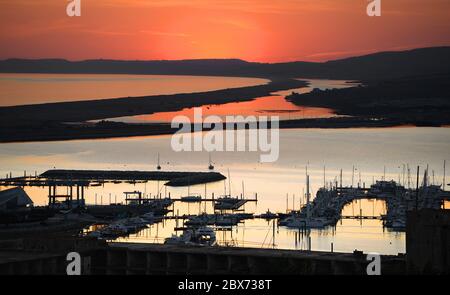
222	59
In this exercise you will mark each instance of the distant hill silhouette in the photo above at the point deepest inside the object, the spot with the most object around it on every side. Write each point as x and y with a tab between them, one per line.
377	66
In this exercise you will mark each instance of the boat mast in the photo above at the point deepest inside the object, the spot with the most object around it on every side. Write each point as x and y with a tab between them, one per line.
229	183
324	181
224	187
159	166
353	174
293	202
409	175
210	166
404	174
443	179
308	212
287	202
417	188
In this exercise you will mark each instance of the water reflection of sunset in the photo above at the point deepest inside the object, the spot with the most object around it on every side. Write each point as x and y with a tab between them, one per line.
274	105
264	106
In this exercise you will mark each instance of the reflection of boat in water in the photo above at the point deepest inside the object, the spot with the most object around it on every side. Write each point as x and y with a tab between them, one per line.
312	222
300	220
203	236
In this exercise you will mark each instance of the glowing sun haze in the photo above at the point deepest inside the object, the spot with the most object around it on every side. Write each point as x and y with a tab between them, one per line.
263	30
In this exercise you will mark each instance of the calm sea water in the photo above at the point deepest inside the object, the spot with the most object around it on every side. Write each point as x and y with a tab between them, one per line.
19	89
274	105
280	185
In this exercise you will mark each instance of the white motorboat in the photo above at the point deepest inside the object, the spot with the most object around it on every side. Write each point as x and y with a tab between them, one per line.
204	236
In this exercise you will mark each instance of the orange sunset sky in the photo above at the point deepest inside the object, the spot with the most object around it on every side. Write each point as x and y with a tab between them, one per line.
254	30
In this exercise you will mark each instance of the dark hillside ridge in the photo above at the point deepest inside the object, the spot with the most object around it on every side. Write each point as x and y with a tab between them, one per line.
383	65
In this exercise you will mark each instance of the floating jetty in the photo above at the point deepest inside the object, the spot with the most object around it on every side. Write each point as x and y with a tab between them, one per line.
95	177
174	178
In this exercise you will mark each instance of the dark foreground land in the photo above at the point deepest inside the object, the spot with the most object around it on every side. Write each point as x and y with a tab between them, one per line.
398	88
16	258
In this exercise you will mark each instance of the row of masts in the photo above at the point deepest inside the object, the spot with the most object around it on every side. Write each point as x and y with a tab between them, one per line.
404	179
